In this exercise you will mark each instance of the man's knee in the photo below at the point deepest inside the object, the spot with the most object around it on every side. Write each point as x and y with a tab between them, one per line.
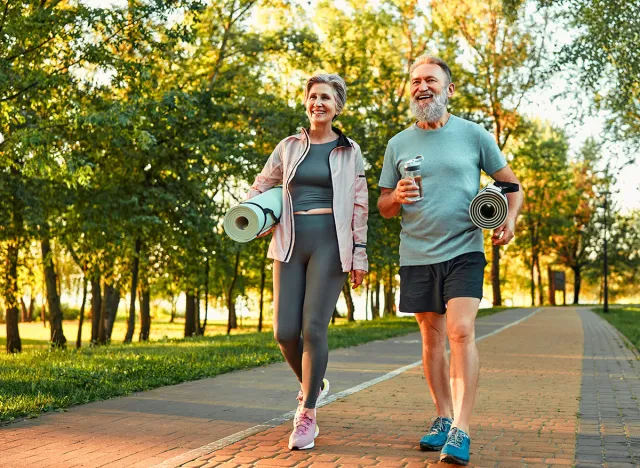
433	328
461	318
461	332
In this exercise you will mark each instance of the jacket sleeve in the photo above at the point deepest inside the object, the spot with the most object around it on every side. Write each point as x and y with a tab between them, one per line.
270	176
360	216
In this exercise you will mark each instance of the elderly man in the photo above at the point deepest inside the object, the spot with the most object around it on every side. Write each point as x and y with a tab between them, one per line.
441	252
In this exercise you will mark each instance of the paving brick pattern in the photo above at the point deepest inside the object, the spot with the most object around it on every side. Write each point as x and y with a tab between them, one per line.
526	411
609	423
148	428
558	389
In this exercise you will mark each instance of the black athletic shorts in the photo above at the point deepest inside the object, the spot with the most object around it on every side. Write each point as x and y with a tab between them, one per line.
428	288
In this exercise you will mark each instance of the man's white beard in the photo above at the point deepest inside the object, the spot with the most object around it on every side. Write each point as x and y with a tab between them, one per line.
432	111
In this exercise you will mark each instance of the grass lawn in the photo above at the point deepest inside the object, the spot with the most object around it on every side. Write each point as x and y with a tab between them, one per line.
36	335
626	319
39	380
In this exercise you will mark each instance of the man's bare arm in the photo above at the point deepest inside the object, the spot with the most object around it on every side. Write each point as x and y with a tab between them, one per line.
506	232
391	200
387	204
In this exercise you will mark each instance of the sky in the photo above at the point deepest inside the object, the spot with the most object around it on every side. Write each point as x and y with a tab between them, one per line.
542	106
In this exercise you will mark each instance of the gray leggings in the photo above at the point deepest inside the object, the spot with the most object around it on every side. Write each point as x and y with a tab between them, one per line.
305	292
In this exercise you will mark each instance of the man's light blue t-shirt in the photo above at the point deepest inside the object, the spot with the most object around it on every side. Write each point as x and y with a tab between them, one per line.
438	228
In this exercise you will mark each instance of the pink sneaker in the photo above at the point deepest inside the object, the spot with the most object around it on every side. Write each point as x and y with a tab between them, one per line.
324	390
304	432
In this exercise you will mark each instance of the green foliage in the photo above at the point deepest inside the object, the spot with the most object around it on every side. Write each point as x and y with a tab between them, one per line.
541	162
39	381
141	125
607	39
623	254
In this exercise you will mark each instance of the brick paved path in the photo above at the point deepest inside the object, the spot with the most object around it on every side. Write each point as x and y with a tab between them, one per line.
529	412
609	429
525	411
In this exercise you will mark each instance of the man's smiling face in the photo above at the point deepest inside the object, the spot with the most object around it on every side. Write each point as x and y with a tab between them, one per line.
430	92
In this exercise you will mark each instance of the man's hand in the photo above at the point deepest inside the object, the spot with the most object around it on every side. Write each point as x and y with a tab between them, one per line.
356	277
504	234
406	189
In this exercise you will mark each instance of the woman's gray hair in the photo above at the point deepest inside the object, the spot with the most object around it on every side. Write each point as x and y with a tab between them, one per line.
435	61
336	82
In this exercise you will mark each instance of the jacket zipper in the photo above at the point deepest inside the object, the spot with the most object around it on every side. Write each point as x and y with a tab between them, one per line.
304	154
333	208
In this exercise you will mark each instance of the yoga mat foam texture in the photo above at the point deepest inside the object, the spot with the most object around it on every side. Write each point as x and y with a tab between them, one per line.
246	221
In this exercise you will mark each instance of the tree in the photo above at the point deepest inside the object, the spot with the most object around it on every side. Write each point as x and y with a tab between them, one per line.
574	242
541	163
58	339
602	55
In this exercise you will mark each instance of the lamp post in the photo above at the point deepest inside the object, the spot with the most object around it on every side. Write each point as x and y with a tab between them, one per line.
605	262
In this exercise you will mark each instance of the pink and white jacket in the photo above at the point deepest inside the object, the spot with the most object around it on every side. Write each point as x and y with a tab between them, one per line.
350	197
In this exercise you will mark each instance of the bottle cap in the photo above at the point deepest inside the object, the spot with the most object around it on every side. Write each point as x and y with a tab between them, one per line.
413	164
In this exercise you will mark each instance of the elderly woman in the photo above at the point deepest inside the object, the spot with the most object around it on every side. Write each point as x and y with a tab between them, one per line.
321	237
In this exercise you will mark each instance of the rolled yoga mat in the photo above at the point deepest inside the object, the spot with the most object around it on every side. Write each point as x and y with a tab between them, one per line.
250	218
490	207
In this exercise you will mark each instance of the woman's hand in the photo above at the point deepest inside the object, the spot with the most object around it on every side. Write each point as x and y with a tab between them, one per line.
356	277
266	233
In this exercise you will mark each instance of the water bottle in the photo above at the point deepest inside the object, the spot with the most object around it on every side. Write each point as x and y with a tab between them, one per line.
412	172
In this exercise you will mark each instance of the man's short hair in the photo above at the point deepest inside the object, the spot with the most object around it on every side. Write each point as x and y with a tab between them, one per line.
435	61
335	81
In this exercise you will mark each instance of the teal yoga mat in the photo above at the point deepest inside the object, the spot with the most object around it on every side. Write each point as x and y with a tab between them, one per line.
252	217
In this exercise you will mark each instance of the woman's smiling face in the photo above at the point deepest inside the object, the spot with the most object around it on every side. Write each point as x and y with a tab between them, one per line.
321	104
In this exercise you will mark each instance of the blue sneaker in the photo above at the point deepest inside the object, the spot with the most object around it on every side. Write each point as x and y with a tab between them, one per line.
456	450
437	435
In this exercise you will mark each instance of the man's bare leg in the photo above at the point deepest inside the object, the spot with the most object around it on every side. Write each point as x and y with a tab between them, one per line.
465	363
435	364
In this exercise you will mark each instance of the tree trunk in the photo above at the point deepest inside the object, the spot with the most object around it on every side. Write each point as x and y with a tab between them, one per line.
346	292
190	315
32	302
495	275
43	310
113	301
58	339
263	280
174	302
197	314
14	343
82	306
552	291
389	299
540	286
334	316
576	285
394	308
533	282
103	322
145	311
232	322
96	305
131	323
23	307
366	304
375	300
206	296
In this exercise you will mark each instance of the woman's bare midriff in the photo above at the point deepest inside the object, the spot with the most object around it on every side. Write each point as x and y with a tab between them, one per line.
315	211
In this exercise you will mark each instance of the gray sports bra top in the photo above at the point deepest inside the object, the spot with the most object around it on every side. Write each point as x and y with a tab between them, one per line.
311	187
